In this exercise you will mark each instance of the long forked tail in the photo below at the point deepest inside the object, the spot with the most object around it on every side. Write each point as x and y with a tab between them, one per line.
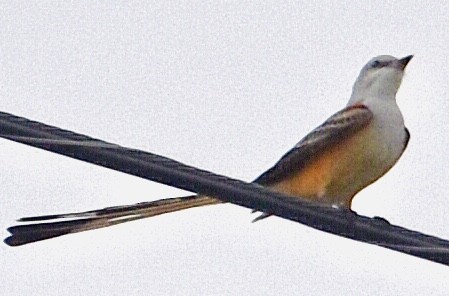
83	221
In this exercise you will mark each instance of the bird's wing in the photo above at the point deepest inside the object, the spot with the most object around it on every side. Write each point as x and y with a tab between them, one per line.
339	127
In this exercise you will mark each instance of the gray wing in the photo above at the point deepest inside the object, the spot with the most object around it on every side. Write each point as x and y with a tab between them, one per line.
341	125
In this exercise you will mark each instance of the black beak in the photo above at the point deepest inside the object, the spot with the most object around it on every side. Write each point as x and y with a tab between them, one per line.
404	61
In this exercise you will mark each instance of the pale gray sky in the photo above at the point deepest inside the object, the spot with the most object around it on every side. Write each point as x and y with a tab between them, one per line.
228	87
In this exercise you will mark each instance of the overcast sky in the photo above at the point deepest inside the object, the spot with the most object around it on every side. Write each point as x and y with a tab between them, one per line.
228	87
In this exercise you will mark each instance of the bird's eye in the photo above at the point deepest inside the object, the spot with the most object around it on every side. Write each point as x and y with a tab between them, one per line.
376	64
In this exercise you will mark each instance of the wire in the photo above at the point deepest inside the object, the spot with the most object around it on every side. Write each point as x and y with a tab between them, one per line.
157	168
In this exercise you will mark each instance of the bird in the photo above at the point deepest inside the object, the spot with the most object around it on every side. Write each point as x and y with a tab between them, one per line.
349	151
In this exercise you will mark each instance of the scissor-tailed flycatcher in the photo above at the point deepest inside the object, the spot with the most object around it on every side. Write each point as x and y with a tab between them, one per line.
348	152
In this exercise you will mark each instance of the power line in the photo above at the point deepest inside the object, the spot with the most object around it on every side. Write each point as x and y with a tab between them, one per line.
160	169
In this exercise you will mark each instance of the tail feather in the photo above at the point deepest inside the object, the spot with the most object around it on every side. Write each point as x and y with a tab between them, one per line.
83	221
24	234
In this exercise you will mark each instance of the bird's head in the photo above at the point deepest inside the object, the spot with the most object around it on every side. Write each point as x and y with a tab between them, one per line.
380	77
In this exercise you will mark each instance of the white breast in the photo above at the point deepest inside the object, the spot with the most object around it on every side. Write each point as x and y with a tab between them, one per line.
374	151
386	136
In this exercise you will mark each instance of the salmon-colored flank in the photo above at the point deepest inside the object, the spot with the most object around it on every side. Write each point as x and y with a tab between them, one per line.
325	176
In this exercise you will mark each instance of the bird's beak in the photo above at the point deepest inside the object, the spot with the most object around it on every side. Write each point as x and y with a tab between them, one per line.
404	61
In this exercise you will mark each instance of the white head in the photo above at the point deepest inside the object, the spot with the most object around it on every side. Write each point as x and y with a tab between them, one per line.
379	78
